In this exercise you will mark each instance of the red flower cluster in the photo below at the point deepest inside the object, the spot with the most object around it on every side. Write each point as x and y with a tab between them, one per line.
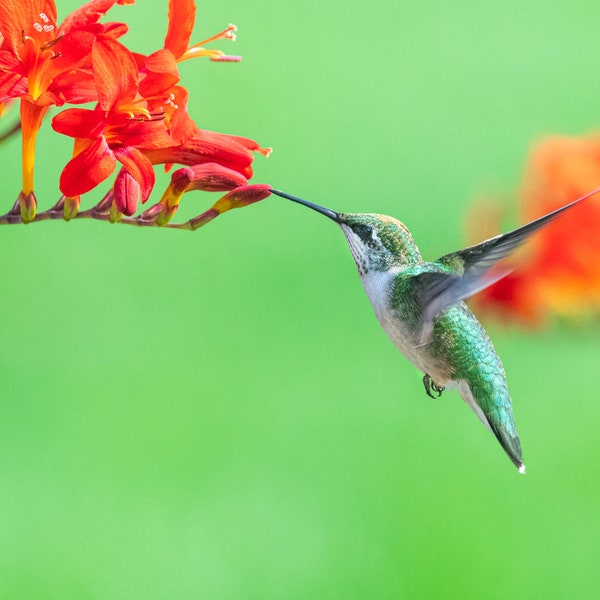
559	274
140	118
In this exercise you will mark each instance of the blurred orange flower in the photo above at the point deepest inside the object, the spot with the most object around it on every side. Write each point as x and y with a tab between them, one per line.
560	271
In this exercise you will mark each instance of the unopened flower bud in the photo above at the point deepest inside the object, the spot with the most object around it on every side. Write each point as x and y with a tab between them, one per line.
127	193
236	198
243	196
27	205
208	177
180	180
213	177
71	207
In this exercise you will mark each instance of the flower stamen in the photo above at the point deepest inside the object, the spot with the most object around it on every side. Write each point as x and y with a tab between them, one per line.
135	112
215	55
170	101
227	34
45	26
51	43
157	116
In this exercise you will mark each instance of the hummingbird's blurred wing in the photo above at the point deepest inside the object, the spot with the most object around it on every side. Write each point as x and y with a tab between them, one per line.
468	271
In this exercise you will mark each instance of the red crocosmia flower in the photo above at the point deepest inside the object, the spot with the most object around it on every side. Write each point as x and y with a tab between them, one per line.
159	74
111	132
233	152
38	64
142	119
208	177
560	272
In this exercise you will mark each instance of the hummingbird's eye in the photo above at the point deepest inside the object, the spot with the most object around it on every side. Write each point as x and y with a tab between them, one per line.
364	232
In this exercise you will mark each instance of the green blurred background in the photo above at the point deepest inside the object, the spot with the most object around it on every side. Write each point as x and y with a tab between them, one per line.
218	414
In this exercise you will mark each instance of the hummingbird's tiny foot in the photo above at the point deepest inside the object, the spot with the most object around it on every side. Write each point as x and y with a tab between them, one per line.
431	385
437	388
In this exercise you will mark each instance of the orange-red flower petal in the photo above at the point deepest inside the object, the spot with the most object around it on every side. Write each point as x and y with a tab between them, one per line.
88	168
115	73
79	123
88	13
182	15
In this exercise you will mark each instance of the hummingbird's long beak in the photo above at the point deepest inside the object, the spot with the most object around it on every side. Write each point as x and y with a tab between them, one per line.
321	209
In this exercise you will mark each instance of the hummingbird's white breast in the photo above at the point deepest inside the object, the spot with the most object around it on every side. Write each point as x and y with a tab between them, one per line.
378	286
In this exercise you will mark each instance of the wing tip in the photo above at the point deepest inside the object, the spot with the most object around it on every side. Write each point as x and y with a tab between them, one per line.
521	468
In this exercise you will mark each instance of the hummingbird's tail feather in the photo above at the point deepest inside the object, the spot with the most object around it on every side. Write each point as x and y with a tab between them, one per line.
499	420
511	446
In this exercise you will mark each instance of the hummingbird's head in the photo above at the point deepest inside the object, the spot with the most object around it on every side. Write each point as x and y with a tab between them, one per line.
377	242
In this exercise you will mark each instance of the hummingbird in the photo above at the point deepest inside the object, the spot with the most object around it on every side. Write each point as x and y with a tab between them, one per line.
420	305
